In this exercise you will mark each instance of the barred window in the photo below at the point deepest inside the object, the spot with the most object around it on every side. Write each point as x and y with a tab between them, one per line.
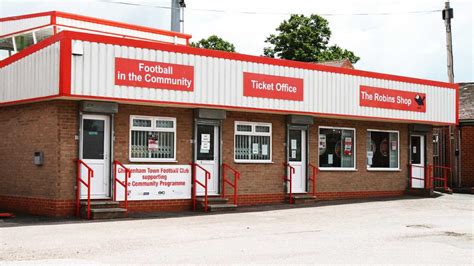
152	139
253	142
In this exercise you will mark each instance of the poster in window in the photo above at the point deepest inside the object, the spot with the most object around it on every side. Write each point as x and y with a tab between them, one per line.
384	147
293	154
322	143
152	143
394	145
264	149
370	155
330	159
205	147
293	144
205	137
348	146
254	148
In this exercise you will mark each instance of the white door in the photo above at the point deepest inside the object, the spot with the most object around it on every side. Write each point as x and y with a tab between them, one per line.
297	159
208	157
417	157
94	151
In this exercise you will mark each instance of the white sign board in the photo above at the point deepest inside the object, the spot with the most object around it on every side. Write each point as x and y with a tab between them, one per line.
156	182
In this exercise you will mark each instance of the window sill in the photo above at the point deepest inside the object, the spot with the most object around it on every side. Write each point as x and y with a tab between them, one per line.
328	169
151	161
384	169
252	162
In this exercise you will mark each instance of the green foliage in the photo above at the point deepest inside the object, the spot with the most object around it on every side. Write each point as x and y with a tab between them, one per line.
305	39
215	43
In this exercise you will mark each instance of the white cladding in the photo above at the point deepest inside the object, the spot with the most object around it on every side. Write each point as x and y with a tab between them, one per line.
36	75
90	26
13	26
219	82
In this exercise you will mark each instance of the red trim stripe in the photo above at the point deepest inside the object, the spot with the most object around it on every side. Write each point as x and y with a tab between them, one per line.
98	21
250	58
65	64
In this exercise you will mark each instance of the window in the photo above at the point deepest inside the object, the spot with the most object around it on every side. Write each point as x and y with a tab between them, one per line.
152	139
382	150
253	142
336	148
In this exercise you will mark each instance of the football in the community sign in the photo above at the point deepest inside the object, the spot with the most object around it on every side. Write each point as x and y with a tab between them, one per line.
149	74
392	99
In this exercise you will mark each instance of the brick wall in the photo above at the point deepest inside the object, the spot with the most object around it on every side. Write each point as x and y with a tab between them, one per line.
26	129
467	158
52	127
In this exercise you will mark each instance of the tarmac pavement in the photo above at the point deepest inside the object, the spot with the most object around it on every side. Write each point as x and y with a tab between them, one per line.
405	230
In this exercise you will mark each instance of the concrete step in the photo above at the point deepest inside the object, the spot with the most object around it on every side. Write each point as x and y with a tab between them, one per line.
301	198
216	200
221	207
105	213
98	204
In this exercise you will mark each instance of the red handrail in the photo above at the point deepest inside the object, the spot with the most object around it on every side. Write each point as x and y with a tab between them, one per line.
290	179
90	173
128	174
195	182
444	179
225	181
314	170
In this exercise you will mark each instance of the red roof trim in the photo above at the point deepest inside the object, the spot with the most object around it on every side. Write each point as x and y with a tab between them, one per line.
55	14
250	58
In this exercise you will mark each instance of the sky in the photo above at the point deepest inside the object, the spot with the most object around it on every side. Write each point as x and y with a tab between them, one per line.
402	43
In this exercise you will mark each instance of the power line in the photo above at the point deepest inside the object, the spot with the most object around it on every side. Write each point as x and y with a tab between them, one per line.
273	13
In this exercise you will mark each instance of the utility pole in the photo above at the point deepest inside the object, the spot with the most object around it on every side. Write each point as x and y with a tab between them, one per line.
177	15
453	152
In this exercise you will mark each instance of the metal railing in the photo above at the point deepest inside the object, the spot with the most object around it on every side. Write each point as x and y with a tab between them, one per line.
207	176
226	181
90	174
289	179
124	184
314	171
431	181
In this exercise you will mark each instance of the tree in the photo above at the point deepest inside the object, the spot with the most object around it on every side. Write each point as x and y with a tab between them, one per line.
305	39
215	43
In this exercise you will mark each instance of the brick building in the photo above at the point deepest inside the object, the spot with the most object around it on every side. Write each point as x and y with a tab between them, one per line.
85	98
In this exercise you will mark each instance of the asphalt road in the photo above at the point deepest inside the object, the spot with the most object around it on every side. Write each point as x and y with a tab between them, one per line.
409	230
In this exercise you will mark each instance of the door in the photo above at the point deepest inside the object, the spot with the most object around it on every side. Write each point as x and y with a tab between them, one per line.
208	157
95	152
297	159
417	157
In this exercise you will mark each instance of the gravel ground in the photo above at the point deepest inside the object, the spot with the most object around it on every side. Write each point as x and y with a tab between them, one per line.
407	230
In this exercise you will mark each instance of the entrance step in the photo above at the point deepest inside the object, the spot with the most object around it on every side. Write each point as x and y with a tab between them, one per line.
103	210
215	204
447	190
421	192
301	198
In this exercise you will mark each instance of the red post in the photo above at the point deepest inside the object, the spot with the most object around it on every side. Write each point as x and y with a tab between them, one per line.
291	185
194	186
205	191
88	194
223	181
127	171
115	181
78	189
